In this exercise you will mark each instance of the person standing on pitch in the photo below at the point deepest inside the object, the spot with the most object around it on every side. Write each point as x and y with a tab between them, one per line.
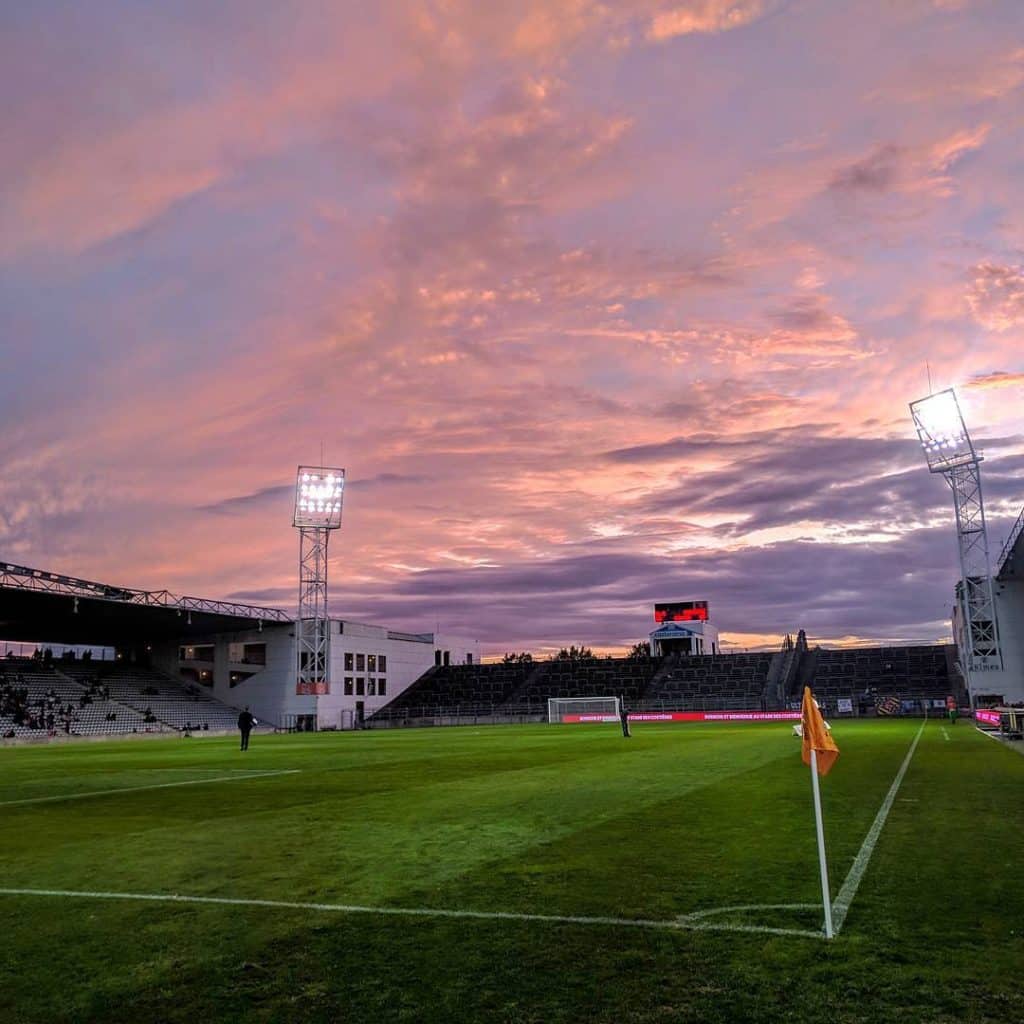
624	718
245	724
951	709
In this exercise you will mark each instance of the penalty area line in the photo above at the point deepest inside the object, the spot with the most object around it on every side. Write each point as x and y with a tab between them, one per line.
424	912
841	905
138	789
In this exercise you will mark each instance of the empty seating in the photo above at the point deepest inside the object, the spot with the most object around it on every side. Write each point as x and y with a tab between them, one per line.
468	687
921	672
727	681
628	678
177	704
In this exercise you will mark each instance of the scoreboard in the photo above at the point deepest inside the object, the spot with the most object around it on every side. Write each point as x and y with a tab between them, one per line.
681	611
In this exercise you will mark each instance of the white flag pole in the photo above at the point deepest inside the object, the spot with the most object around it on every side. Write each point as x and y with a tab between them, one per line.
826	898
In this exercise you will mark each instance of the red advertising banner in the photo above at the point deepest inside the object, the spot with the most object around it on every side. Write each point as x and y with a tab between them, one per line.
993	718
310	689
692	716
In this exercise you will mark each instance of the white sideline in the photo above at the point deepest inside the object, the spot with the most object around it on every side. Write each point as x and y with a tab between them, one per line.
153	785
348	908
841	904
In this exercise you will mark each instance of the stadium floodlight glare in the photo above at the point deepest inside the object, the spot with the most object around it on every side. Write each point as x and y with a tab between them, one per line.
318	497
943	434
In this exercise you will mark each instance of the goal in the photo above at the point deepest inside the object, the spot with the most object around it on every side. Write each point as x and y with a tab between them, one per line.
583	709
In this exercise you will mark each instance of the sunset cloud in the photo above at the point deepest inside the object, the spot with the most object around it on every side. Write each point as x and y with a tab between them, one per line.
700	16
599	304
996	295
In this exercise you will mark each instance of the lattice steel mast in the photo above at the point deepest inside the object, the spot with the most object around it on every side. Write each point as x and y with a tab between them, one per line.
950	451
318	497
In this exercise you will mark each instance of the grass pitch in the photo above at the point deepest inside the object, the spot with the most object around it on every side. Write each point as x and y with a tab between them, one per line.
555	821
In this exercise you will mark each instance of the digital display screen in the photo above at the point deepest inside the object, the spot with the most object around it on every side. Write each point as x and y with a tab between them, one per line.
681	611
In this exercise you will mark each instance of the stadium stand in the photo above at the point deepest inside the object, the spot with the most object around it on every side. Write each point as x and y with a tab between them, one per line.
751	681
40	699
729	681
628	678
177	704
921	672
472	688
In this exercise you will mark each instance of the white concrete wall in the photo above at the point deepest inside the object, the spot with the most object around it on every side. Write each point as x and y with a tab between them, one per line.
1009	683
270	692
407	660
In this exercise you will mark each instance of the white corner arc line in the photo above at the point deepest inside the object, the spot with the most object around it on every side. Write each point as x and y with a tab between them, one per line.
425	912
841	904
136	789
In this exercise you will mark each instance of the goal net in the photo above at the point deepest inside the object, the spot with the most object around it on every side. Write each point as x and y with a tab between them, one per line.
583	709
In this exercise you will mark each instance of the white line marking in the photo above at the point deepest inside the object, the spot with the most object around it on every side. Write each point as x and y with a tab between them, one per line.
945	735
347	908
841	905
748	906
136	789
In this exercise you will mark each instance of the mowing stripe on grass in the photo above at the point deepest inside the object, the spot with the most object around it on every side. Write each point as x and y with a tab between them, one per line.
841	905
153	785
477	915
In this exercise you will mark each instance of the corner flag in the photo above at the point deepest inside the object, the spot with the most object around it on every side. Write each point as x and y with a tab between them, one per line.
816	736
820	752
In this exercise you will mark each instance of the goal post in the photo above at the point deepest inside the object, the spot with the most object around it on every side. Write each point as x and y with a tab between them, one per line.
583	709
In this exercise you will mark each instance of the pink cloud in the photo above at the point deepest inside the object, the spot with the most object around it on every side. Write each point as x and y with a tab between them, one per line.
996	296
704	16
996	380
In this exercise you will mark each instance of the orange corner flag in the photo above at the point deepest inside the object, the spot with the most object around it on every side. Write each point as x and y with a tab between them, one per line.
816	737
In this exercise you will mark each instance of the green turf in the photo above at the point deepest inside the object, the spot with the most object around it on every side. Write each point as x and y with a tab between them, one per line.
552	820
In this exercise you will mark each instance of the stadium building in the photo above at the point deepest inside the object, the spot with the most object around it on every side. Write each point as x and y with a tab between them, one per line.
1001	683
191	662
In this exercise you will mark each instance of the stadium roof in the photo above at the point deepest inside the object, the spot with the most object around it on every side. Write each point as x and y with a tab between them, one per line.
38	606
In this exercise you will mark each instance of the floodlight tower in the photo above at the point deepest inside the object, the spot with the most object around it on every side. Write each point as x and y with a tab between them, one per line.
949	450
318	495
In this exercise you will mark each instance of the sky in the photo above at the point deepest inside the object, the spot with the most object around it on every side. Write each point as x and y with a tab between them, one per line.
598	304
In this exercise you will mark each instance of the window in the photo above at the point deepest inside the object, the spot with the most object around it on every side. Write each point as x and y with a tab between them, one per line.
382	687
348	661
371	687
360	662
382	663
254	654
371	663
360	687
348	686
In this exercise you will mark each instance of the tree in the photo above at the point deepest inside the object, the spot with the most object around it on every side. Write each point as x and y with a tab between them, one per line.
639	651
521	658
574	653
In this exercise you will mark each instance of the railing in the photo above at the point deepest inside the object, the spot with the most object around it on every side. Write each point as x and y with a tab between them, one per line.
1004	555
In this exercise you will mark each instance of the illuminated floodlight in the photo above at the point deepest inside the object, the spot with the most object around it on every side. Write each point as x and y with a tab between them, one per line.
941	429
318	497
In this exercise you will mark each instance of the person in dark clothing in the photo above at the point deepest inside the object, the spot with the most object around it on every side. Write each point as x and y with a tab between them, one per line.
624	718
245	724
